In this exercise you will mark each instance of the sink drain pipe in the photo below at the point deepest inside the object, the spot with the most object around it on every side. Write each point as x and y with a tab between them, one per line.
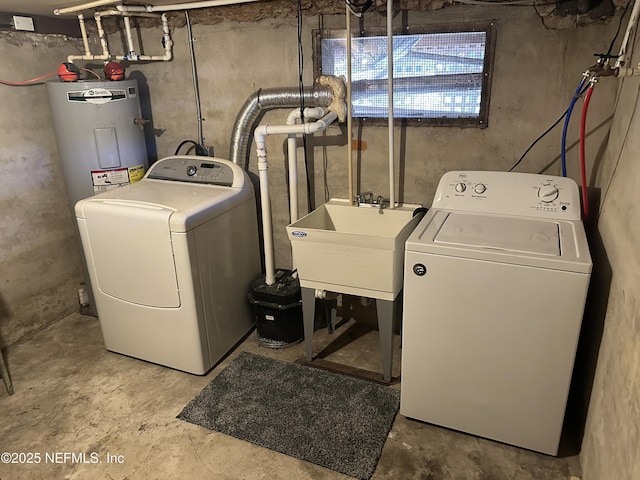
292	119
260	135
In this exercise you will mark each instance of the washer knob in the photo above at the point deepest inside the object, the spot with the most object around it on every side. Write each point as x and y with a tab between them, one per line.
548	193
480	188
460	187
191	170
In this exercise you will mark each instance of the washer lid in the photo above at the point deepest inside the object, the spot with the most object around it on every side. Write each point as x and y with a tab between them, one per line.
525	241
500	233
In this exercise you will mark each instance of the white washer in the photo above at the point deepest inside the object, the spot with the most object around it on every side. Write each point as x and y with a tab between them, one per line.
496	276
171	259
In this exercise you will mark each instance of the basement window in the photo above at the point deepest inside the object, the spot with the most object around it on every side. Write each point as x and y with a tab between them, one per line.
441	75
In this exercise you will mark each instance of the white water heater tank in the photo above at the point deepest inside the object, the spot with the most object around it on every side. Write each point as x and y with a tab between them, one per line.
99	132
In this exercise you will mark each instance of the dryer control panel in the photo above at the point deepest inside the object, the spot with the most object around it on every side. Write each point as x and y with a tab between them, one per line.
196	169
509	193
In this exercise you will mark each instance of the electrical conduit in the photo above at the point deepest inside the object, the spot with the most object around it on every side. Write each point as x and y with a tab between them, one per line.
194	75
260	135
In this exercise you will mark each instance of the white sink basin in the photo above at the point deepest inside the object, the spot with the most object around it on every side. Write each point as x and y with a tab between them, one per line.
344	248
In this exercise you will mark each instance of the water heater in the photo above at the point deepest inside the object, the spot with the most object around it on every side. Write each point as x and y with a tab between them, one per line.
100	138
98	128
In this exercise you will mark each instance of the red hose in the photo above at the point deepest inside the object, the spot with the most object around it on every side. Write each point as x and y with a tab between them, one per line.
28	82
42	77
583	167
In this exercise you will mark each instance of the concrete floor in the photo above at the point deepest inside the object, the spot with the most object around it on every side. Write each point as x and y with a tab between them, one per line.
71	395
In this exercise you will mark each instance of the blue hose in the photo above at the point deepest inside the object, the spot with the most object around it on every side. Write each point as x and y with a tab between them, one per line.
563	151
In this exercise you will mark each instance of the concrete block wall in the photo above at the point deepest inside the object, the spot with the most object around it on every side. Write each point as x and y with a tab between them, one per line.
40	263
611	446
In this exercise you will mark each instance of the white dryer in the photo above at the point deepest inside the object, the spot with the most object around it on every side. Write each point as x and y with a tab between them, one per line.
496	277
171	259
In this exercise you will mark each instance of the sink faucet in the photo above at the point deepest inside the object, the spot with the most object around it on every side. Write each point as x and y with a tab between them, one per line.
364	198
382	202
367	199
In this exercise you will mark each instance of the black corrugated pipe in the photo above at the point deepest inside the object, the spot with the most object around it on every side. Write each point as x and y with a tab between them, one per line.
268	99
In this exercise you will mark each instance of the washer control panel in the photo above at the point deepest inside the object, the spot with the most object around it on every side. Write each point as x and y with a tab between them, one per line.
195	169
509	193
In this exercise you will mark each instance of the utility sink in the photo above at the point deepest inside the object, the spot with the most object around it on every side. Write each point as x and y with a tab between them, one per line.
352	249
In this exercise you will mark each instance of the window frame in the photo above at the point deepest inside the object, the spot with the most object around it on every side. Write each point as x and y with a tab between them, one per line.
481	121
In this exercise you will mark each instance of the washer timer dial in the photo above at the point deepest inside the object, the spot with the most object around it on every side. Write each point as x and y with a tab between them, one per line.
480	188
460	187
548	193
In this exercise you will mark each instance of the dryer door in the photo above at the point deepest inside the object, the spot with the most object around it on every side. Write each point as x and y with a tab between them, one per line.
131	251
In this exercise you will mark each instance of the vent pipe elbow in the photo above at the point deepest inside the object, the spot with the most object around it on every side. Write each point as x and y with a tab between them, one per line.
267	99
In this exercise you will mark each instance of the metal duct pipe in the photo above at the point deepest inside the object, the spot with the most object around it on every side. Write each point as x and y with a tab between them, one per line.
269	99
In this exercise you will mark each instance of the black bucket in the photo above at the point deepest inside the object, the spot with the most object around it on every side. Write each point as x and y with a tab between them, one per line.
277	310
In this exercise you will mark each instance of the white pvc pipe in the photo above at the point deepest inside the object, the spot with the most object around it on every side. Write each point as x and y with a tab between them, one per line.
309	112
127	28
83	32
102	35
293	176
131	56
134	10
103	43
149	8
191	5
259	135
633	20
267	228
392	177
349	117
294	116
85	6
168	43
71	58
324	295
304	128
131	8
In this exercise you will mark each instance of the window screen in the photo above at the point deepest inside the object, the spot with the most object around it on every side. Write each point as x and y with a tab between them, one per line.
440	77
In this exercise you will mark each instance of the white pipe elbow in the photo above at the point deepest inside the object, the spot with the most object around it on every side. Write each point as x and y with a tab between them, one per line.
309	112
131	8
321	124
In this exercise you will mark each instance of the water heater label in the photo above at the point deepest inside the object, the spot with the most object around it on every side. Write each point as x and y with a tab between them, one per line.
104	180
136	173
97	96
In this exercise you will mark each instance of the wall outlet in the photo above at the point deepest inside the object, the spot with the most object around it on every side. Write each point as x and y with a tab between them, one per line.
23	23
209	150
